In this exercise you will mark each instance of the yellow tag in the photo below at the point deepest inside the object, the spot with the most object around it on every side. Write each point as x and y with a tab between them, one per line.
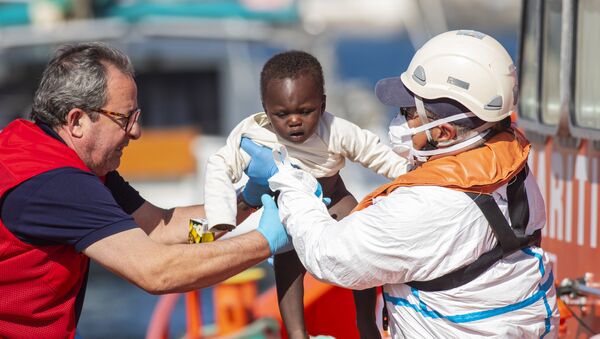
208	237
198	231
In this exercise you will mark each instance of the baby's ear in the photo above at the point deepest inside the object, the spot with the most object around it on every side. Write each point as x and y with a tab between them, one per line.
323	103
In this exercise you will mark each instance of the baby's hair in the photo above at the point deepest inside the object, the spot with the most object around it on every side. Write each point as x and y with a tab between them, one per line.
291	64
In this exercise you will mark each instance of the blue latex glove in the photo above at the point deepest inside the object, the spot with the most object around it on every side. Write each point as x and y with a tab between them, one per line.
261	166
319	192
271	227
252	192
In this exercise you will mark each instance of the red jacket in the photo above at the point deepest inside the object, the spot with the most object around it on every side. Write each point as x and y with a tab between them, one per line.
38	284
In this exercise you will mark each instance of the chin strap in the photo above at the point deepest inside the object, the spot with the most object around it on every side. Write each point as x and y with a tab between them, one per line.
479	134
423	115
476	135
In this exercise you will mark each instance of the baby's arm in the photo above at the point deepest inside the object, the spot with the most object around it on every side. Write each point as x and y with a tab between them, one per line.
364	147
224	168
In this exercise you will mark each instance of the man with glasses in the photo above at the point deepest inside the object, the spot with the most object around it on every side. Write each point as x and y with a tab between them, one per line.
62	202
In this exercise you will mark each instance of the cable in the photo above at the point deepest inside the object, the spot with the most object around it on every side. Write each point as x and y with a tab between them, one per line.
579	320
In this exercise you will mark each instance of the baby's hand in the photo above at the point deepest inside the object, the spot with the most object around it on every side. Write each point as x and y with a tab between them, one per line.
222	227
219	234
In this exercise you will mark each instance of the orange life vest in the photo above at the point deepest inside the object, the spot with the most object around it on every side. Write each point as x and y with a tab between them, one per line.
480	170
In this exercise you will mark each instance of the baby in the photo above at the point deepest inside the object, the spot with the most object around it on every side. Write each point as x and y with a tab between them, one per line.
293	98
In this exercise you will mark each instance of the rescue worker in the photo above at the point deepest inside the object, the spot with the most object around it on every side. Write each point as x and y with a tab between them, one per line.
456	242
62	202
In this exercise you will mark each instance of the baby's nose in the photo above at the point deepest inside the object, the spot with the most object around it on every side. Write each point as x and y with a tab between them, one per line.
295	120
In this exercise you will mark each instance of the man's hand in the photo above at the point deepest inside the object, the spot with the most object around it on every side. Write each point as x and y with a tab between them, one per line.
261	166
252	193
271	227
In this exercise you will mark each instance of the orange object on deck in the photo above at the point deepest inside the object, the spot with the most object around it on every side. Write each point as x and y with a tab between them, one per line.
192	312
234	300
328	310
140	160
564	315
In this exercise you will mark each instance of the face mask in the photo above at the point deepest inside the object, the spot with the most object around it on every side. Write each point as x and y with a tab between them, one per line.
401	137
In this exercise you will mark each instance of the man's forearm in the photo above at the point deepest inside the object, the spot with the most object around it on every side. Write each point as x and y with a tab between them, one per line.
167	226
172	225
213	262
160	269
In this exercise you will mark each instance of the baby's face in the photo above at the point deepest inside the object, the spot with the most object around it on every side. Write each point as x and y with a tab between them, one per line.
294	107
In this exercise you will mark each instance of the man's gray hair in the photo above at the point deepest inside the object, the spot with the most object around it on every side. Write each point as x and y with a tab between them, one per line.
76	77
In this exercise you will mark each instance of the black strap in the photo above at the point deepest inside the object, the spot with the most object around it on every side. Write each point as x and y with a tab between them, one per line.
385	319
510	239
518	206
507	240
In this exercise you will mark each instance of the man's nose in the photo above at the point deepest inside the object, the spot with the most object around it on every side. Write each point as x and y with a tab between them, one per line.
136	131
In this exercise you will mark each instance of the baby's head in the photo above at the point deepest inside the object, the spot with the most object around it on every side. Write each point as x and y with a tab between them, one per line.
293	94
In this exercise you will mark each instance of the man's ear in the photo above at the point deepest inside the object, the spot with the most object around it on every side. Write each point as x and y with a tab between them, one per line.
77	120
323	103
447	132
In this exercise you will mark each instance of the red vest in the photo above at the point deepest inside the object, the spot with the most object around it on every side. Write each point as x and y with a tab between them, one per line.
38	284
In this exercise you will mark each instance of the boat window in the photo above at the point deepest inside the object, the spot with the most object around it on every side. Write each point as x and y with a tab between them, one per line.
550	94
529	71
587	72
180	98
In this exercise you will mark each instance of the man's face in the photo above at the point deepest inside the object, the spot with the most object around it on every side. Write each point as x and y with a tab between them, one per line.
107	136
294	107
419	140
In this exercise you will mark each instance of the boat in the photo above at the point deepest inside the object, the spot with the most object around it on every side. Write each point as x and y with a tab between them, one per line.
560	114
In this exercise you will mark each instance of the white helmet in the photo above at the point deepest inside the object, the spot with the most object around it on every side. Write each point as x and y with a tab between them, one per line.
466	66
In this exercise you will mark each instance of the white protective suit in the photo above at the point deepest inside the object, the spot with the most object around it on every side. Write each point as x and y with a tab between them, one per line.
420	233
323	155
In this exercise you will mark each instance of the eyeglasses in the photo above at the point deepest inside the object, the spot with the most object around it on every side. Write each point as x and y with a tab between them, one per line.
132	117
411	113
408	112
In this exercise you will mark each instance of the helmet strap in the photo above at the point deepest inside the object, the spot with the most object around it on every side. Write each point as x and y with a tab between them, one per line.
423	115
434	148
425	154
473	133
